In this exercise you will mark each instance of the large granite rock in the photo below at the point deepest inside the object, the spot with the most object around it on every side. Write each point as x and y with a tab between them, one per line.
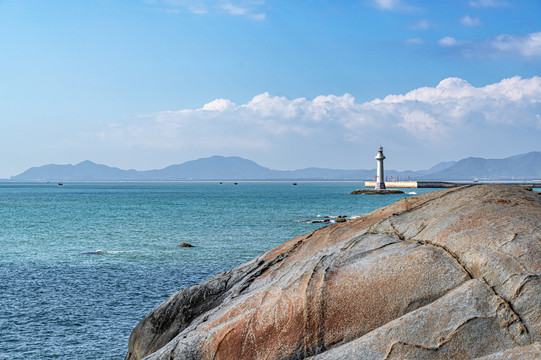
452	274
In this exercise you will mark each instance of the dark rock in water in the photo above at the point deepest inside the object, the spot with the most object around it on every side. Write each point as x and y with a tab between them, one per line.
376	191
326	221
454	273
183	244
97	252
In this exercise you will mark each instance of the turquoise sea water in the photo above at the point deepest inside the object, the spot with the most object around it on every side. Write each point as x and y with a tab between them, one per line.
61	300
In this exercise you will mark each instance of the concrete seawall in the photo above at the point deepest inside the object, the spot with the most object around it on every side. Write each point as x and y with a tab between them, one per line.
433	184
394	184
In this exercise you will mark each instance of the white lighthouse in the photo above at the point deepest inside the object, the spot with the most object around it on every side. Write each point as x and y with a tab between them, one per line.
380	181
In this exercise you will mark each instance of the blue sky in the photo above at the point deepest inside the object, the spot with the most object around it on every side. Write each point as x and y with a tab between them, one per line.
289	84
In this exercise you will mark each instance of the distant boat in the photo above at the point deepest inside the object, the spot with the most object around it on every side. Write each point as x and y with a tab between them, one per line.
60	183
294	183
476	180
235	183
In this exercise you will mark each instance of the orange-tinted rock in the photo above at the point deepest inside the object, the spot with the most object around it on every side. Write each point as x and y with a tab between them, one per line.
447	274
530	352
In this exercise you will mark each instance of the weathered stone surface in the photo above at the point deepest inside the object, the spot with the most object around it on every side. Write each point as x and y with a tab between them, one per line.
445	329
447	274
530	352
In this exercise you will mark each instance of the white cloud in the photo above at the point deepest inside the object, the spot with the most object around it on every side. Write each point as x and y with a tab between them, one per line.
470	21
258	16
420	25
220	105
199	9
449	114
234	10
525	47
528	46
387	4
267	106
487	3
455	103
448	41
247	8
422	124
391	5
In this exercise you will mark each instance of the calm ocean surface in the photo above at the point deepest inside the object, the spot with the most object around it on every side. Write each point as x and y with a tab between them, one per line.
56	302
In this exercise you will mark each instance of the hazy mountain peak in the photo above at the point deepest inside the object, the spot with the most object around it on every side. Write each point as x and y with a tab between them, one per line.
86	163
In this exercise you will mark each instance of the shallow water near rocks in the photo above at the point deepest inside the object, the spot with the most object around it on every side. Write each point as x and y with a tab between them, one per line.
83	263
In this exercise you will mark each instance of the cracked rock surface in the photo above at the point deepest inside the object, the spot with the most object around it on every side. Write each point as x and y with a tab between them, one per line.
451	274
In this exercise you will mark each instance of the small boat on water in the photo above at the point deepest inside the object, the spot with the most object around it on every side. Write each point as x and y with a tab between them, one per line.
60	183
294	183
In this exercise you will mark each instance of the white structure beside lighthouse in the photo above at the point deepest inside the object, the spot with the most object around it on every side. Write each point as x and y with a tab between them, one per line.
380	180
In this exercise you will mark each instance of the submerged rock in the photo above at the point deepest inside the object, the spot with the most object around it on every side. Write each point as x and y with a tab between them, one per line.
183	244
447	274
97	252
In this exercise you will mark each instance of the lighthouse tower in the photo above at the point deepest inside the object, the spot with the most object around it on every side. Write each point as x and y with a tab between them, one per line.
380	181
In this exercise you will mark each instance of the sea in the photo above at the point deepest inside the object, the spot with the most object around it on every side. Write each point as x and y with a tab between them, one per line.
82	263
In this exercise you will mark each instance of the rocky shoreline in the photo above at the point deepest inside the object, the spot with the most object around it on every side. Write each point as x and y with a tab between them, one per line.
448	274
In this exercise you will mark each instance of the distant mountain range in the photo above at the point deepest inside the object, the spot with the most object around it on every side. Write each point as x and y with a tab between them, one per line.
519	167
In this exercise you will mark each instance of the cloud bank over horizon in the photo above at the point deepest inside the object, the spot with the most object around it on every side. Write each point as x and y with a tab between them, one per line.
451	120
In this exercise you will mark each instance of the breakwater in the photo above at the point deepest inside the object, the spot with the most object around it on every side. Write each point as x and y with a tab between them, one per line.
436	184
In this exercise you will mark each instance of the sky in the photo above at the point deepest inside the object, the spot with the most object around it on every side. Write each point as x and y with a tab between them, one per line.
290	84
